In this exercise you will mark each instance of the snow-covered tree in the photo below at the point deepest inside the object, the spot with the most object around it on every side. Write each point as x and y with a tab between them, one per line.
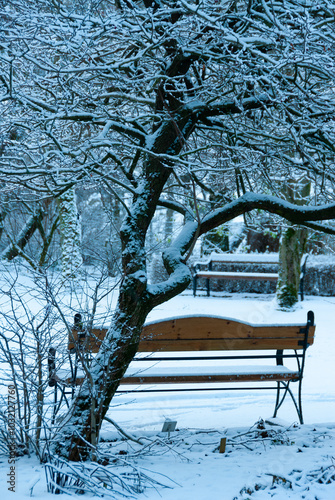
70	234
202	107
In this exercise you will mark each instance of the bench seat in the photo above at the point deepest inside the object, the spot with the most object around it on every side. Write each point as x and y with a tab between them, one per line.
197	374
193	374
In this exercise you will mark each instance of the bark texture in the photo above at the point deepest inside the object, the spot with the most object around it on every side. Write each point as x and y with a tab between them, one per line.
70	234
80	430
292	244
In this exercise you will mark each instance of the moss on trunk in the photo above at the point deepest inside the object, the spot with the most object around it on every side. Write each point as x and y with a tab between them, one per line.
292	245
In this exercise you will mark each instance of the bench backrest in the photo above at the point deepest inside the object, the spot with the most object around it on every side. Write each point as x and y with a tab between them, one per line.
208	333
243	258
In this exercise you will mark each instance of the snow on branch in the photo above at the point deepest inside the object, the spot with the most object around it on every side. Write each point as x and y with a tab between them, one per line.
173	257
250	201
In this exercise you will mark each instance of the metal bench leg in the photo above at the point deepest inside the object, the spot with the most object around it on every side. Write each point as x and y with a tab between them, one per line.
297	406
300	402
277	400
287	390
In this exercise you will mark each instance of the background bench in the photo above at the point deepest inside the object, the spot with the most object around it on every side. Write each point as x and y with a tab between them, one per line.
199	334
250	260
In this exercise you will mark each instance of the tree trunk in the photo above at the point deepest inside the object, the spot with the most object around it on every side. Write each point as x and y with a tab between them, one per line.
292	245
70	234
95	394
135	301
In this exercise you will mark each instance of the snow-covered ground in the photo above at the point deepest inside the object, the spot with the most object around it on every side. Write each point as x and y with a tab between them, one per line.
262	460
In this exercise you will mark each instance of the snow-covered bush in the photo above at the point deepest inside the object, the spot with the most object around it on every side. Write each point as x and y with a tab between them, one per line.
36	314
25	339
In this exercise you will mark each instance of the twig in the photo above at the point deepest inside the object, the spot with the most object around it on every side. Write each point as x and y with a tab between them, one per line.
124	433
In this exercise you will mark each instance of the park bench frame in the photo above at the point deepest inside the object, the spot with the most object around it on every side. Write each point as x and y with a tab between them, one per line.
200	333
241	258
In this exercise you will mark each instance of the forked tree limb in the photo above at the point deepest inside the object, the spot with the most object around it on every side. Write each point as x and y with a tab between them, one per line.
15	247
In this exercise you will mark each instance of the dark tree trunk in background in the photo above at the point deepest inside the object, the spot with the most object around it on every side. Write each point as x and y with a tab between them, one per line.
292	246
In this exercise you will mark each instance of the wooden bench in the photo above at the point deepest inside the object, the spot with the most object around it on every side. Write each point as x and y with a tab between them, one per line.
211	336
245	259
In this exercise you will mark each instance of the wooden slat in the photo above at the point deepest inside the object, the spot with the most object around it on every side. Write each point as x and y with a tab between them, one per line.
210	344
247	259
193	379
206	327
190	379
237	276
217	345
269	259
